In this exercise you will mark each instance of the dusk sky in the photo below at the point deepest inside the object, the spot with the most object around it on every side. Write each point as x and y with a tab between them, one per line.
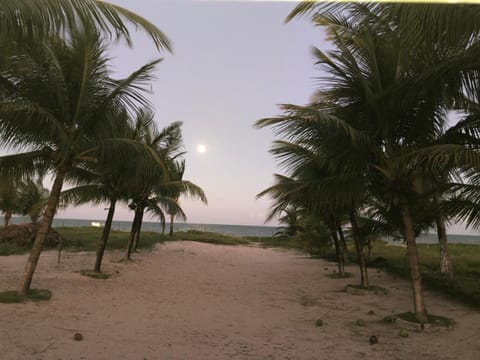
233	63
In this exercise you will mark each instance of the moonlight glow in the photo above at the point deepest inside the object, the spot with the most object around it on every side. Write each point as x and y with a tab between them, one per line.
201	148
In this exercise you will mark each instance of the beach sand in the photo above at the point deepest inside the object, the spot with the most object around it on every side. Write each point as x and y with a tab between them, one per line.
189	300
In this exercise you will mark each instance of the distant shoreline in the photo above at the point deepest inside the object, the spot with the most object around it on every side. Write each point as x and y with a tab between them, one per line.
155	226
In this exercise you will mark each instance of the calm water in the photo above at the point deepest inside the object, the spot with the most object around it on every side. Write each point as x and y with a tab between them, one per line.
452	239
236	230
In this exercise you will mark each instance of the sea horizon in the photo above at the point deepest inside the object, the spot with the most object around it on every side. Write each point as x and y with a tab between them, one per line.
156	226
232	229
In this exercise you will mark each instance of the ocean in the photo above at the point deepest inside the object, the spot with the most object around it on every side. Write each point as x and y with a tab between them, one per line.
452	239
235	230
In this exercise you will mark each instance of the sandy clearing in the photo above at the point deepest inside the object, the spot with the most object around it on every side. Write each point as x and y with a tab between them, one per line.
189	300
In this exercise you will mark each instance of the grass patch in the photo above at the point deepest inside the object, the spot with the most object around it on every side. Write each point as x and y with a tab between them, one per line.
466	267
12	249
95	275
277	242
207	237
369	289
345	275
86	238
8	297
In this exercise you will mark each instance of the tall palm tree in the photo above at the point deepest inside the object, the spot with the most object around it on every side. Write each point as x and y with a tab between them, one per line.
156	189
147	178
61	110
309	160
106	180
176	174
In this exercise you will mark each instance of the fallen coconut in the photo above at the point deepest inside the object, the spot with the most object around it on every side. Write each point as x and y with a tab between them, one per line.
360	322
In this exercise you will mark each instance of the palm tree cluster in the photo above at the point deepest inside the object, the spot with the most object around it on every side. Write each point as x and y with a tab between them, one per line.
26	197
62	113
377	146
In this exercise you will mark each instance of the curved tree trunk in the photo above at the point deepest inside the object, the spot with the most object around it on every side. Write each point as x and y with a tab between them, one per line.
445	261
138	228
172	219
102	243
50	209
359	250
414	263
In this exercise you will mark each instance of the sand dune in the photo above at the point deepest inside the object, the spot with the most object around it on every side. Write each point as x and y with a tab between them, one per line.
189	300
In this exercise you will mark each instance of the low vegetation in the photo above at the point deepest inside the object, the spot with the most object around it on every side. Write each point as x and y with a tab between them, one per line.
466	259
86	238
94	274
208	237
465	286
278	242
7	297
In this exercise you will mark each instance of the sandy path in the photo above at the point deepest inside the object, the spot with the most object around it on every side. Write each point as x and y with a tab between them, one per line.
189	300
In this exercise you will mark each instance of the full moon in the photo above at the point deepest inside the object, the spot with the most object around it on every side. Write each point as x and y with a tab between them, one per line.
201	148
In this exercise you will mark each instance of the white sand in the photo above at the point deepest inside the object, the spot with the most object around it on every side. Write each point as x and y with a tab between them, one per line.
189	300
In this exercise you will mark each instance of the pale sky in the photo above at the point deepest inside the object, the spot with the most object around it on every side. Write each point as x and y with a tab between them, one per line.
233	63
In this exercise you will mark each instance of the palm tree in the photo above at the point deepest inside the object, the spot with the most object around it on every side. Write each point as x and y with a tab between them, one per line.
176	174
147	178
33	198
9	199
301	192
309	161
385	104
61	109
107	181
157	188
177	187
30	20
290	216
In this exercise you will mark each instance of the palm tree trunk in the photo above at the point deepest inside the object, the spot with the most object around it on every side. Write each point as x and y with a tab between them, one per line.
338	250
136	238
102	244
7	217
132	234
414	264
342	239
359	250
60	248
445	261
26	281
172	219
